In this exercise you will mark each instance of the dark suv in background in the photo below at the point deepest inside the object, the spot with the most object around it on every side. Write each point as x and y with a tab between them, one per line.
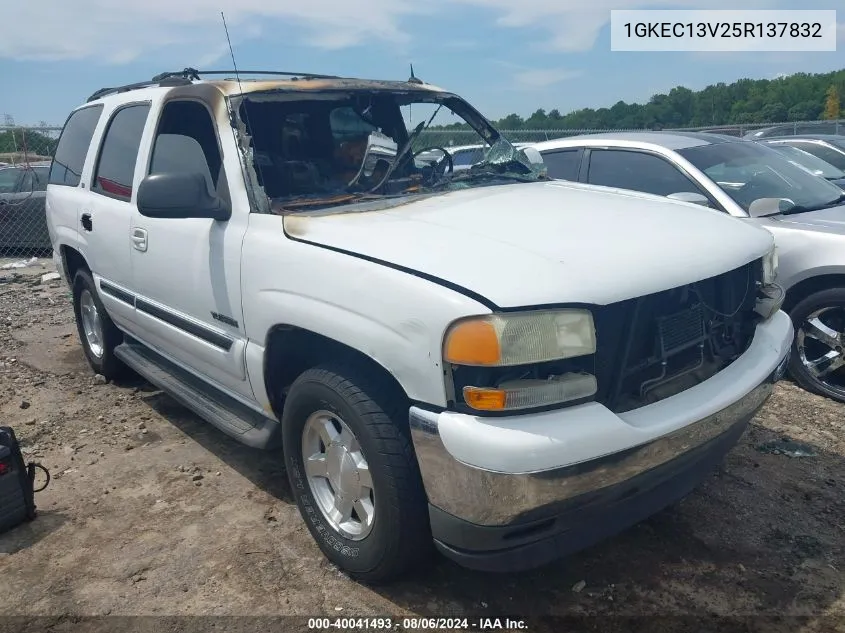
23	223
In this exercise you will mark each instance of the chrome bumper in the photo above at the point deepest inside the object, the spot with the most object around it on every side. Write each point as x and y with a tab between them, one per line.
489	498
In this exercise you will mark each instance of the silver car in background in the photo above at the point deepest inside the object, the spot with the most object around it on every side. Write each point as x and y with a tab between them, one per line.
810	162
754	183
830	148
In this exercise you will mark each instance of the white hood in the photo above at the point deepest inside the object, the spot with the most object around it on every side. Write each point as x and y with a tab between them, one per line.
543	243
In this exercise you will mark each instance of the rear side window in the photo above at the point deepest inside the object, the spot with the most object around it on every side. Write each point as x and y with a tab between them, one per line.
563	164
119	153
73	146
348	124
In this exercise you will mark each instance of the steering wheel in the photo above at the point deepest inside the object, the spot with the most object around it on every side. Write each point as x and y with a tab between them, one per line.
442	168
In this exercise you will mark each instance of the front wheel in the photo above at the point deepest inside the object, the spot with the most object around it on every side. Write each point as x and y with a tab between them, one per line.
353	473
818	351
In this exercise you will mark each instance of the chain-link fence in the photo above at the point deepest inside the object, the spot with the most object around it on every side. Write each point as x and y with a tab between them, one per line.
25	154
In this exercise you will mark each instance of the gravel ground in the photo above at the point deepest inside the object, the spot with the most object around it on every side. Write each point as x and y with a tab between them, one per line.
153	512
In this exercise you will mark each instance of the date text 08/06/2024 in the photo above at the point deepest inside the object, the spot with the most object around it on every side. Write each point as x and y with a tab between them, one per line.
411	624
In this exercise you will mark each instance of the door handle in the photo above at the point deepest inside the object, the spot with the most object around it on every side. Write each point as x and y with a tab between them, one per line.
139	239
87	222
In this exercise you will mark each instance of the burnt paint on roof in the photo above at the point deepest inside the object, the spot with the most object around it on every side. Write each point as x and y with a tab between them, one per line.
232	86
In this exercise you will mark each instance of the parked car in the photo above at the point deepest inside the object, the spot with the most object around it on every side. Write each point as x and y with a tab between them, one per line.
830	149
510	367
792	129
23	222
462	156
813	164
753	182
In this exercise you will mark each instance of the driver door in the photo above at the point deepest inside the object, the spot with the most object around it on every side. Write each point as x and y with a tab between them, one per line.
186	271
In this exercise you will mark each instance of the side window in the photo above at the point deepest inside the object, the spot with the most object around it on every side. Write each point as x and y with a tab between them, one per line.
40	174
637	171
69	159
186	142
468	157
119	152
347	124
9	177
27	183
563	164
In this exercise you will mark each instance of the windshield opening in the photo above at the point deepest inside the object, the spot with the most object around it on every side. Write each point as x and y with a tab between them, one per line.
333	149
804	159
748	171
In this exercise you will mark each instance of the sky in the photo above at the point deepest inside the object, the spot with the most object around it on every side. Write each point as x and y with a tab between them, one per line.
502	55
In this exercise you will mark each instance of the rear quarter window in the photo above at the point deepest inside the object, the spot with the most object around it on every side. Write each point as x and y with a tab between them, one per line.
73	146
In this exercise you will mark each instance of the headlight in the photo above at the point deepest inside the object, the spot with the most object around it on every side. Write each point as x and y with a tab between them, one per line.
521	338
770	266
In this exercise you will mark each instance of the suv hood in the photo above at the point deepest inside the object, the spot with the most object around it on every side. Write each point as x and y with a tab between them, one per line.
544	243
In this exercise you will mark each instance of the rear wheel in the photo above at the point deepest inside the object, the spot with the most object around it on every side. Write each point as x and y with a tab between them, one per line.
818	353
353	473
97	333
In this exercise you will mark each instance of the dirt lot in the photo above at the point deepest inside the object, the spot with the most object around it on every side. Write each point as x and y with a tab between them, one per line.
153	512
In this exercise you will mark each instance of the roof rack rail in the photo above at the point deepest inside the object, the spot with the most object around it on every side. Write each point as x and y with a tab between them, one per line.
189	75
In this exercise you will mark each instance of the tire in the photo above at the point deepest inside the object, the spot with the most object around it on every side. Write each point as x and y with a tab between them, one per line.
811	343
104	362
399	537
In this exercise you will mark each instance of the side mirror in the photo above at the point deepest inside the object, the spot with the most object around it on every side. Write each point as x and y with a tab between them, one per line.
763	207
180	195
534	157
689	196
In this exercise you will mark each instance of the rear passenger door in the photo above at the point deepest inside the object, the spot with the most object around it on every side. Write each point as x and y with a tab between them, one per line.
104	221
66	191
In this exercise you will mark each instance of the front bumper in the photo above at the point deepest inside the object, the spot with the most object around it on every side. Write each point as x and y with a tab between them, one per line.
491	510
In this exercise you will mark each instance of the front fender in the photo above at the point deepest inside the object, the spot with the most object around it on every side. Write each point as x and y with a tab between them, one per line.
395	318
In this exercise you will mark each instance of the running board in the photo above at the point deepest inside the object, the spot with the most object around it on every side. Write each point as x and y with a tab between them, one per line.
219	409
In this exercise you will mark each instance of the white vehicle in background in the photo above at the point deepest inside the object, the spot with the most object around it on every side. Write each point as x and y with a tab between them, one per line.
509	367
462	157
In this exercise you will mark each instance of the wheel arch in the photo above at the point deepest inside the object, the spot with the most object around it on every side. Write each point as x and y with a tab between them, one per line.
72	261
804	288
291	350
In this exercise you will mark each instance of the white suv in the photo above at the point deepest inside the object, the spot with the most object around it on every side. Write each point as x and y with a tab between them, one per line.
508	366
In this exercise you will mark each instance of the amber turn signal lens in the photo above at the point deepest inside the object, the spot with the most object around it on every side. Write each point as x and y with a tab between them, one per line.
485	399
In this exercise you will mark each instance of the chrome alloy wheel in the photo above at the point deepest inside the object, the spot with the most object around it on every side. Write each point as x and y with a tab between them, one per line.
92	325
338	475
820	342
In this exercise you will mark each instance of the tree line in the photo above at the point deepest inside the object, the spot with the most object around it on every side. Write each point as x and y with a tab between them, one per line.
36	143
799	97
